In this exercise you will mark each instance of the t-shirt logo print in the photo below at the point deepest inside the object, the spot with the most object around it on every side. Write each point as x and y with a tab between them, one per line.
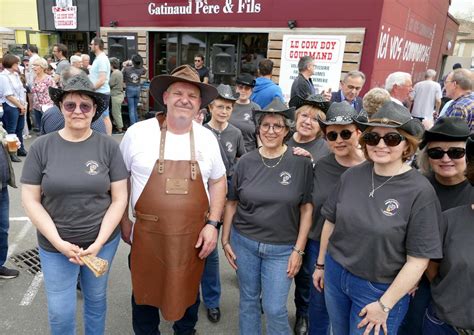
285	178
92	168
247	117
391	207
229	146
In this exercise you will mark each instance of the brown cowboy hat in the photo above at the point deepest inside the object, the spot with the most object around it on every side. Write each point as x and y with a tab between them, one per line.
184	74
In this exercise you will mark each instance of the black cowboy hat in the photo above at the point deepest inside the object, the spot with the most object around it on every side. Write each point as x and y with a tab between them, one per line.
393	115
225	92
275	107
314	100
185	74
246	79
447	129
470	149
341	113
80	84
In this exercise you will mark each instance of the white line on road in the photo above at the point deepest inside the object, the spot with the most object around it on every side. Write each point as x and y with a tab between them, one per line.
32	290
20	218
19	236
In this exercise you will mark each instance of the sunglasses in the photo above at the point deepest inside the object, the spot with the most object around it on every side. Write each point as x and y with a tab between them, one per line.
453	153
390	139
71	106
345	135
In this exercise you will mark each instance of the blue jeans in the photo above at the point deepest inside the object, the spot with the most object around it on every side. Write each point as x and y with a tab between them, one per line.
210	281
146	319
262	272
434	326
318	314
60	279
346	295
133	97
38	115
413	321
4	223
13	122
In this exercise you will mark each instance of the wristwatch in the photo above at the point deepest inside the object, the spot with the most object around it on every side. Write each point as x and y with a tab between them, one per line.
384	308
215	224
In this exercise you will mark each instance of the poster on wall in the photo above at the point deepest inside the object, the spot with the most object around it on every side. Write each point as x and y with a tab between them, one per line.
326	50
65	15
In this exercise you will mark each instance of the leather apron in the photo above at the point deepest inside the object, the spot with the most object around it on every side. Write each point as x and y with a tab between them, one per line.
170	213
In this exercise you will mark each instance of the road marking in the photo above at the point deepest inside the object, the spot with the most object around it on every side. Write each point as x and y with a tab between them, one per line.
20	218
32	290
12	247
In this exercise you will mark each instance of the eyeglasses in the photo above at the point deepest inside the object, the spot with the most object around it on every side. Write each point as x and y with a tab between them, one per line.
390	139
277	128
222	107
197	60
71	106
453	153
345	135
305	116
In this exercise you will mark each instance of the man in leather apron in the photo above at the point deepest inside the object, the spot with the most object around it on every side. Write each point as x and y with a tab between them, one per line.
178	186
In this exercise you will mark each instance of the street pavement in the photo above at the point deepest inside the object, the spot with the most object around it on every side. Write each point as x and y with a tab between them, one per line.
23	306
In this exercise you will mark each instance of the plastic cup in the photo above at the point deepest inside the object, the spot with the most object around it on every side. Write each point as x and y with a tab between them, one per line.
11	143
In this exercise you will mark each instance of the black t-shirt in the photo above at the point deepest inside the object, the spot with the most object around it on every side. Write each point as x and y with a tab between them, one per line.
269	199
231	144
241	117
203	73
451	196
327	173
373	236
75	182
131	75
318	147
452	290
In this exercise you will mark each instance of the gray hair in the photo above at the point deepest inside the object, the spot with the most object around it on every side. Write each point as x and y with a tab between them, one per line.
464	78
374	99
430	73
396	78
75	58
69	72
85	56
354	74
41	62
304	62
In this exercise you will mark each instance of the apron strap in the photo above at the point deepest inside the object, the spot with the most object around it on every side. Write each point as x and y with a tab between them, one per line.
193	156
161	160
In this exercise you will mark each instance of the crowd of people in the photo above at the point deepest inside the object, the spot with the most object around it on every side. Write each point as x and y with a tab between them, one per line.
366	203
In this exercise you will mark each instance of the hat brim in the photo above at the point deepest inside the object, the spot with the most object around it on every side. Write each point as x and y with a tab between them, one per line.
413	126
244	83
298	102
431	137
287	114
323	124
160	84
101	100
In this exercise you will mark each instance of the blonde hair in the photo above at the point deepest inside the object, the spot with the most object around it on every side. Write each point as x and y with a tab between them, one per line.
374	99
41	62
412	144
318	114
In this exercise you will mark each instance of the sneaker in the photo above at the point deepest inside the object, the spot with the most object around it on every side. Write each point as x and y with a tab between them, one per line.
6	273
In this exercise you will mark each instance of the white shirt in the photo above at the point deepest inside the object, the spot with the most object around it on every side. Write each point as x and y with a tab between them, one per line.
141	145
10	84
396	101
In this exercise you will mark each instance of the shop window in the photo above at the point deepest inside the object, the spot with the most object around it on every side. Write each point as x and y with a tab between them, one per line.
166	52
253	50
192	44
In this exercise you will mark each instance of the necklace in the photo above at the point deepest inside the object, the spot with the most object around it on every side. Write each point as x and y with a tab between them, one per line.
371	194
272	166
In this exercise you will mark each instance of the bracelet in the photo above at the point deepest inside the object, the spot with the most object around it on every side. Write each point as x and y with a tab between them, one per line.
298	251
319	266
224	244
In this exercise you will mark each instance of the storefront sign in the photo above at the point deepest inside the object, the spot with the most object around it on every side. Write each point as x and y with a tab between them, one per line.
328	53
65	15
205	7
